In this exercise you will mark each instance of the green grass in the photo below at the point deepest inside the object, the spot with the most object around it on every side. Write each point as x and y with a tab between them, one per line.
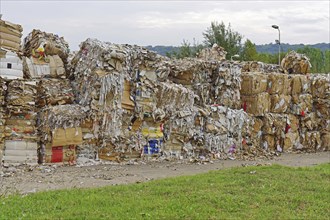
265	192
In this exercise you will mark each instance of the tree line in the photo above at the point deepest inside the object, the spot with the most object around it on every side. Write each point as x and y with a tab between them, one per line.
231	41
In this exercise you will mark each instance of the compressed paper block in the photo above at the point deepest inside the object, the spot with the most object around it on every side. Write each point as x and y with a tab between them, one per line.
253	83
257	104
279	103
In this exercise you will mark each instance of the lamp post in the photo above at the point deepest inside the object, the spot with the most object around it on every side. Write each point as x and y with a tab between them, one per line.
236	56
279	43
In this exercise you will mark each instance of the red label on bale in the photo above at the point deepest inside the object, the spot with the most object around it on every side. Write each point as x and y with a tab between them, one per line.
57	154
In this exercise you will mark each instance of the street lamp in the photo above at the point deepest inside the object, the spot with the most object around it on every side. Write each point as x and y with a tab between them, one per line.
236	56
278	42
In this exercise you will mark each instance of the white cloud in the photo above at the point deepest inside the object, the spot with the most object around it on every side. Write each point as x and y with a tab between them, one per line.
169	22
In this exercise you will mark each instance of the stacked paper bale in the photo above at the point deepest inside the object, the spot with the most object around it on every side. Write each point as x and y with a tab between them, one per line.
107	81
10	35
46	55
21	141
194	74
224	131
11	65
227	85
175	103
40	44
254	96
53	91
295	63
302	108
320	88
61	132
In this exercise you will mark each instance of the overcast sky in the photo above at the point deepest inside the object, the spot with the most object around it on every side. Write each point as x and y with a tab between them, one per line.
169	22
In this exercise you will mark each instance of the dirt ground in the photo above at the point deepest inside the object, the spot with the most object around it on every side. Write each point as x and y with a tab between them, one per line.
27	179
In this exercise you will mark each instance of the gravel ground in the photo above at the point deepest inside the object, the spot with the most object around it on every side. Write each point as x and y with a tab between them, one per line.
27	179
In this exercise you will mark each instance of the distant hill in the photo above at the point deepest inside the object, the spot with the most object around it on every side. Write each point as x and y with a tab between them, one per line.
273	48
265	48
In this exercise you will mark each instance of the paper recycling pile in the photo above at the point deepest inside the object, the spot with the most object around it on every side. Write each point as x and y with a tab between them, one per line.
116	102
294	109
46	57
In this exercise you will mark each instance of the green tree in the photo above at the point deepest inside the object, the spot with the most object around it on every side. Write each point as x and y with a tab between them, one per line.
249	52
186	50
326	61
224	36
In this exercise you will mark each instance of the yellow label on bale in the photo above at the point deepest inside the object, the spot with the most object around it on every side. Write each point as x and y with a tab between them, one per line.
152	132
67	136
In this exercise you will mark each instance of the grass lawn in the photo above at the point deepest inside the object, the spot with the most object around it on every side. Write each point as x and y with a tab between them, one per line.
264	192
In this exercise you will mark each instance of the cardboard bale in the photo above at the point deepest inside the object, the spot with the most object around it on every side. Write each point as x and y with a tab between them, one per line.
320	84
20	152
50	66
268	142
301	104
325	141
172	97
257	105
55	92
295	63
291	141
280	103
322	107
60	124
227	85
293	122
10	35
311	141
300	84
253	83
274	124
47	43
279	84
21	93
309	122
